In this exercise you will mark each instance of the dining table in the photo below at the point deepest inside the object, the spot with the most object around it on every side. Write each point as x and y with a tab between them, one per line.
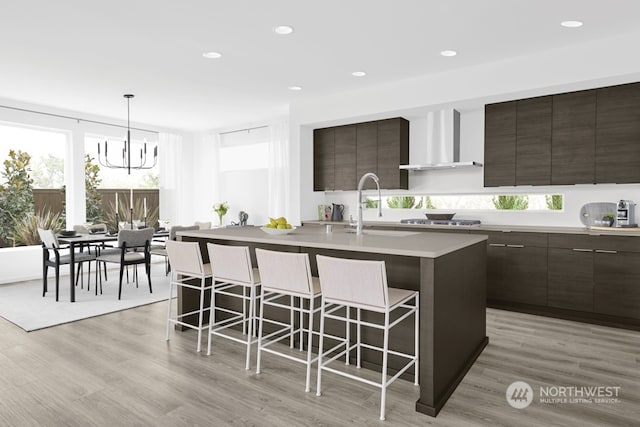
81	239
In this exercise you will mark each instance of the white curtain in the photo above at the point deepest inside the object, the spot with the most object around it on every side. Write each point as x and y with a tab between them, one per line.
213	176
279	169
171	175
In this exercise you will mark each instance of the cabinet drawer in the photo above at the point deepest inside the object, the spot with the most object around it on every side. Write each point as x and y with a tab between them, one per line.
618	243
571	241
517	238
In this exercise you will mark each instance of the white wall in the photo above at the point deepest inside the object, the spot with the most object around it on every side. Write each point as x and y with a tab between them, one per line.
248	191
600	63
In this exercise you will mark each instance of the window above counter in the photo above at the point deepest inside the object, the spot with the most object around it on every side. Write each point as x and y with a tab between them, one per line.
498	202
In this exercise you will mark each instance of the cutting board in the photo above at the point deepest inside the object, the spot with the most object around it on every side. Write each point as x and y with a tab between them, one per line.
592	212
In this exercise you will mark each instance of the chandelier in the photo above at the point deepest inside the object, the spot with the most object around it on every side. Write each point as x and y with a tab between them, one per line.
125	163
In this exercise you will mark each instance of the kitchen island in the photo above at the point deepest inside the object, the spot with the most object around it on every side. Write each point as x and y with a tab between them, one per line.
449	270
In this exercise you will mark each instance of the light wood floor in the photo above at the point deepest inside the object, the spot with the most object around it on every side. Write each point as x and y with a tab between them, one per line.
117	370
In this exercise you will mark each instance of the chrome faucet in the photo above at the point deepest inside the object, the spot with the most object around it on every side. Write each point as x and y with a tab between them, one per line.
375	178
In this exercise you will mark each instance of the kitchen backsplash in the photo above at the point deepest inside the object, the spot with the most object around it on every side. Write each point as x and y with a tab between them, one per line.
574	198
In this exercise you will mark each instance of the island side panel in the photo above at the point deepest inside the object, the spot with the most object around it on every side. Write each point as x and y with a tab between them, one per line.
452	322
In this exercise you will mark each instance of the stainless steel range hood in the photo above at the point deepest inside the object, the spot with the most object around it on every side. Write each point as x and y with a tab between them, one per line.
443	143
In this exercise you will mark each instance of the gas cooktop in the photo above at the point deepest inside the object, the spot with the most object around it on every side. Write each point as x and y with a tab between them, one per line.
449	222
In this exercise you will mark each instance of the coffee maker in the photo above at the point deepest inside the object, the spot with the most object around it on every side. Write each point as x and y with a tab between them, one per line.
626	214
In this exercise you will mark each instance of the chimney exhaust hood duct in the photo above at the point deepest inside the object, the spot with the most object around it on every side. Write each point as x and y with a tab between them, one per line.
443	143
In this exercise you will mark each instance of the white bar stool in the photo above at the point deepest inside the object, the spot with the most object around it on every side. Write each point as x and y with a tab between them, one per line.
287	274
186	264
362	284
231	268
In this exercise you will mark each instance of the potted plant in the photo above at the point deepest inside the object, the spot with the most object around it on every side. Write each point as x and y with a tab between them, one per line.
608	218
221	209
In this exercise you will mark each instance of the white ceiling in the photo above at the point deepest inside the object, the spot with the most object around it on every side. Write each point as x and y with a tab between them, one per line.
84	55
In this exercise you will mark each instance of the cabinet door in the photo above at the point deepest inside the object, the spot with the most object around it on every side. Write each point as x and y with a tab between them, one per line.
573	148
495	271
393	151
323	159
618	134
570	279
617	284
367	151
525	275
500	144
533	141
345	158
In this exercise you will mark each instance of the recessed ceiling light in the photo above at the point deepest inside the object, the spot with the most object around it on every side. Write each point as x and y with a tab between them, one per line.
571	24
448	53
211	55
283	30
295	88
358	74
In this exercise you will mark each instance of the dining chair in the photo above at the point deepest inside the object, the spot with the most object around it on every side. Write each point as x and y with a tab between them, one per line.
203	225
51	246
362	285
285	276
99	228
133	249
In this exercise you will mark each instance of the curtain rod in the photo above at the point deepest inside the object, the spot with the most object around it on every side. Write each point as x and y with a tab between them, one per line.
244	130
76	118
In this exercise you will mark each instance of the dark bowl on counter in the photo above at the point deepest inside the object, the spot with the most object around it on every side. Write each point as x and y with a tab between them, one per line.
436	217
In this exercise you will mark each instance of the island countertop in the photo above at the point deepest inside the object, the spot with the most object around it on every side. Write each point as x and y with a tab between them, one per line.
391	242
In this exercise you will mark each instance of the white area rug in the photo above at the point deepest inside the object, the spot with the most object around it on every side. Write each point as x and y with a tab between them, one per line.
22	303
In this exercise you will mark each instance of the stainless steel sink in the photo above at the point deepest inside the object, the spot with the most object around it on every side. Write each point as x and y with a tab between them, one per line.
390	233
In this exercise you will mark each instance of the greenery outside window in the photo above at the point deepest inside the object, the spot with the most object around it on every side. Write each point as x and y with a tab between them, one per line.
498	202
32	160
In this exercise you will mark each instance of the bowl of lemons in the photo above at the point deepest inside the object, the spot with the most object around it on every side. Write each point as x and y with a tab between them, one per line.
278	226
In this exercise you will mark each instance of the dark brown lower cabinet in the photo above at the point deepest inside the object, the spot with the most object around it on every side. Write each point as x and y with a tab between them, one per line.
581	277
520	274
517	267
617	283
570	279
495	271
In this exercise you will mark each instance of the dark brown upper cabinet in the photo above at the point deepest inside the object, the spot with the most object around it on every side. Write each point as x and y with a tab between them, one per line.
533	141
500	144
323	159
618	134
345	157
342	154
393	151
517	147
584	137
574	136
367	151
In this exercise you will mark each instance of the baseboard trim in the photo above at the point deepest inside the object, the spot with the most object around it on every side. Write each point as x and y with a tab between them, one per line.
576	316
439	404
